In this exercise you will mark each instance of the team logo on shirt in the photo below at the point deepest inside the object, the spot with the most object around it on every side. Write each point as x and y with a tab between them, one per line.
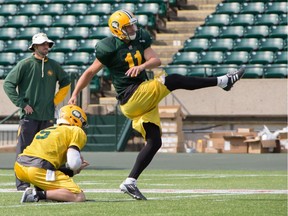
50	73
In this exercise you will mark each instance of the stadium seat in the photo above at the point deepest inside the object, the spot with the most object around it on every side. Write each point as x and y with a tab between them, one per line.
246	44
8	33
127	6
76	9
88	21
222	69
87	45
22	55
200	70
252	7
17	21
95	84
40	21
207	32
254	71
179	69
147	8
196	44
283	19
29	9
40	2
267	19
100	9
104	20
57	56
77	58
72	69
271	44
281	57
52	9
16	45
143	20
186	58
276	7
65	45
236	57
221	44
7	58
62	1
228	8
85	1
261	57
55	32
276	71
27	33
15	1
2	45
8	9
231	32
242	19
77	33
256	31
64	21
2	20
217	20
99	32
211	57
279	31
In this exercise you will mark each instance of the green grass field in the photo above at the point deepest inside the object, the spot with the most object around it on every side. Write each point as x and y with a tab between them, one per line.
175	193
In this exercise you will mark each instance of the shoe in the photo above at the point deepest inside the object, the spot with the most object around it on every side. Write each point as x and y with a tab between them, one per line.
233	77
29	196
133	191
22	187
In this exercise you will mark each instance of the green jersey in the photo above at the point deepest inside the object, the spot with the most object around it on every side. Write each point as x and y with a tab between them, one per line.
119	56
36	83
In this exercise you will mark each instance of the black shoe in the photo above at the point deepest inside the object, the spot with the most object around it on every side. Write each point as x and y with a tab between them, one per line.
233	77
133	191
28	196
22	187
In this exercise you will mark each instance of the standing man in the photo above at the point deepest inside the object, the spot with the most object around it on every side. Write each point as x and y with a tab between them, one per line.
31	85
127	54
53	158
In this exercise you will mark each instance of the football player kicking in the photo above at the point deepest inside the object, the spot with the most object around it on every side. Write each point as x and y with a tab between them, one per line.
127	54
53	158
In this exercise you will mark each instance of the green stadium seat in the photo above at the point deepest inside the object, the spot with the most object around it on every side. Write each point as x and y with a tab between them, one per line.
72	69
267	19
271	44
64	21
95	84
8	9
52	9
99	32
7	58
22	55
283	19
77	58
252	7
65	45
217	20
16	45
242	19
2	20
256	31
100	9
8	33
127	6
200	70
246	44
55	32
176	69
196	44
254	71
211	57
104	20
143	20
17	21
187	58
207	32
147	8
228	8
76	9
279	31
29	9
57	56
88	21
281	57
276	7
16	1
276	71
87	45
27	33
236	57
85	1
261	57
222	69
62	1
221	44
40	2
77	33
40	21
2	45
231	32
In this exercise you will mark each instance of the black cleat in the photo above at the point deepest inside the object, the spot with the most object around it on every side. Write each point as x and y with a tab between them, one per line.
133	191
233	77
28	196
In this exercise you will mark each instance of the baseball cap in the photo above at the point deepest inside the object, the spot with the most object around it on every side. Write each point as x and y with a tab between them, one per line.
40	38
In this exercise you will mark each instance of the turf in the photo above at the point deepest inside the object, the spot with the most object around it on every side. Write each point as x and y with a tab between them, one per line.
175	193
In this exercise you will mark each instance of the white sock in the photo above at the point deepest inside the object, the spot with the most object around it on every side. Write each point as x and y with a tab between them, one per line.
130	181
222	81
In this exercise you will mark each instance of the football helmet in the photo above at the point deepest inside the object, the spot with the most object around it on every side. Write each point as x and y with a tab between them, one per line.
118	22
72	115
